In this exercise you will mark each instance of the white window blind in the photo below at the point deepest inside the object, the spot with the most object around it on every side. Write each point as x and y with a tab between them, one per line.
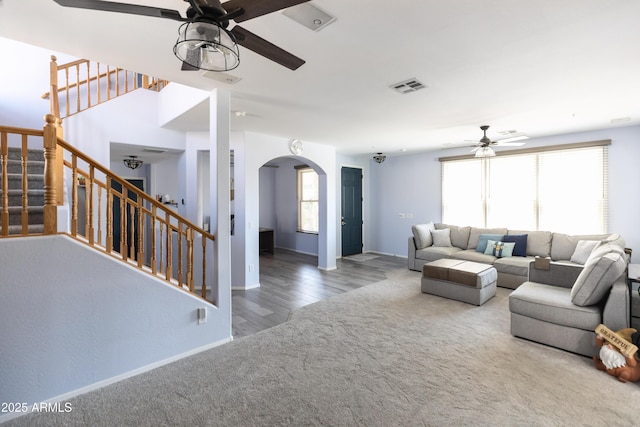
561	190
308	201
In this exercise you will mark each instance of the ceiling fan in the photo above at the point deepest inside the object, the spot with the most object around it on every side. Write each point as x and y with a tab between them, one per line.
484	147
204	43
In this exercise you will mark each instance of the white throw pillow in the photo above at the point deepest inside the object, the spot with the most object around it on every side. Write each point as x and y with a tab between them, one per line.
597	277
583	250
422	234
442	237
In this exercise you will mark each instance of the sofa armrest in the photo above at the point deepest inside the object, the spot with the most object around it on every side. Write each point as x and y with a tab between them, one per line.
411	253
558	274
616	313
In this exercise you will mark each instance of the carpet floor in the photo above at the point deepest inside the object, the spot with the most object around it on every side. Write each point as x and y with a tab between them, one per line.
381	355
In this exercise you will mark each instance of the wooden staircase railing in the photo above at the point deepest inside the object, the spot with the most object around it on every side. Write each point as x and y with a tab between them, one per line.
153	238
82	84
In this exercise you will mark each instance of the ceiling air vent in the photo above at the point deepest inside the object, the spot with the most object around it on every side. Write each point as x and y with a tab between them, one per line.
407	86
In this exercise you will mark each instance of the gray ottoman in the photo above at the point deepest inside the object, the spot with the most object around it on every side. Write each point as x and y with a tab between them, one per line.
466	281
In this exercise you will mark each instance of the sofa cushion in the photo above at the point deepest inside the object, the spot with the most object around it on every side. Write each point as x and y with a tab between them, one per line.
459	235
482	241
583	250
441	238
432	253
499	249
521	243
597	277
538	242
553	304
472	255
516	265
564	245
476	233
422	234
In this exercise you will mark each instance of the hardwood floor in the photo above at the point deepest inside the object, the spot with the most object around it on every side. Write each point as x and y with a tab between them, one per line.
290	280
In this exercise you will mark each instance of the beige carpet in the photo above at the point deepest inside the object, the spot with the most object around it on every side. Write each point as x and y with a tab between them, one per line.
382	355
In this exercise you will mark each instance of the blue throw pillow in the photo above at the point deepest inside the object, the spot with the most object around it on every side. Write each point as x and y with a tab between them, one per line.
499	249
521	243
482	241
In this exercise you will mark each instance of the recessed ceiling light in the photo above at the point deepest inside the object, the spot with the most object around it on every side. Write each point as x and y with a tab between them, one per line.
240	113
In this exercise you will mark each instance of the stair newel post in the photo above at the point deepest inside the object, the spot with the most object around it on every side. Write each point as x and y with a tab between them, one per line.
54	103
51	175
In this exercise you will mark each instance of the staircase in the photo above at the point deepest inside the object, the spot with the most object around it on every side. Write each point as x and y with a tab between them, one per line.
147	235
29	220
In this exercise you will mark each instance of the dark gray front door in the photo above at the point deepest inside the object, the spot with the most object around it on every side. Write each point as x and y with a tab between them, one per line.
351	211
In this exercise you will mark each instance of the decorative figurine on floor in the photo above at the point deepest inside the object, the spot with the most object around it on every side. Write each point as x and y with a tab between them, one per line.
618	353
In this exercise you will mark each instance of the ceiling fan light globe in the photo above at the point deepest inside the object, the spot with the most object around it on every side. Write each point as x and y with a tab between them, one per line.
485	152
207	46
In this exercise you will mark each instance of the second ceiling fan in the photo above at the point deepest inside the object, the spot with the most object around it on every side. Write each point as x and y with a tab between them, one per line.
484	147
204	43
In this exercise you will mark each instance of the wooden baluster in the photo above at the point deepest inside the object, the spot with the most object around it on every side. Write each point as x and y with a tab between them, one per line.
123	225
204	267
169	261
108	84
117	82
154	267
99	215
89	215
25	186
161	252
98	88
140	233
190	259
179	238
50	175
88	84
78	105
74	195
132	227
67	97
4	158
109	214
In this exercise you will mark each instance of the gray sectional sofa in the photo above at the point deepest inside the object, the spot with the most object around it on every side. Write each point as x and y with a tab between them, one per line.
565	286
513	270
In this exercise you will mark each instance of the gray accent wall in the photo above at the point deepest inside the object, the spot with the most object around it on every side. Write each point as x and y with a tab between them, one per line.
78	319
405	189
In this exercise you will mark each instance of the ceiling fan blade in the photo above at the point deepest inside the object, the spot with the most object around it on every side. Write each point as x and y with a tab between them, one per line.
262	47
254	8
133	9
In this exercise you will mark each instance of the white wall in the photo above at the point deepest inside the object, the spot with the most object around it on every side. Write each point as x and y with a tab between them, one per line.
411	185
67	330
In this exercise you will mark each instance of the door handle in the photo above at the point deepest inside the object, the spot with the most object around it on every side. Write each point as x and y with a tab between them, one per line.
343	222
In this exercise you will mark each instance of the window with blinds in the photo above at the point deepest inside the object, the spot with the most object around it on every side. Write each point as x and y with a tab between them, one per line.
560	189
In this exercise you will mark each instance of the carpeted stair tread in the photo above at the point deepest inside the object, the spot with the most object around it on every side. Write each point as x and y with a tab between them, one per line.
35	190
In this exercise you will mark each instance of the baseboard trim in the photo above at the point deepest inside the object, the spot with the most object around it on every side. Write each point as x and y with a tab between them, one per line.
245	288
117	378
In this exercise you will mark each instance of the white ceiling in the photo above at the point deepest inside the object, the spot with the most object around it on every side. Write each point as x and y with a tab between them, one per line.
537	67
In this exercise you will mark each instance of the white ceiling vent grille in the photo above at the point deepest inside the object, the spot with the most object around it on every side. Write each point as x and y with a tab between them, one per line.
408	86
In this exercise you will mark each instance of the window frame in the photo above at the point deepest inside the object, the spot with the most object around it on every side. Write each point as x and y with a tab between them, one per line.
300	172
480	199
